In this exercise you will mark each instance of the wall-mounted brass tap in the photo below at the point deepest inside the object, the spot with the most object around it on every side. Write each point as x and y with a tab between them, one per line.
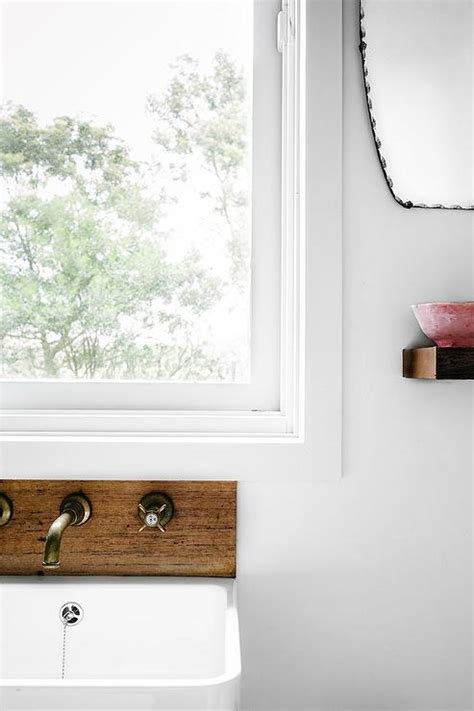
75	510
155	510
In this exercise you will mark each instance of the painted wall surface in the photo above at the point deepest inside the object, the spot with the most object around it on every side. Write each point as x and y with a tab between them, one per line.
358	595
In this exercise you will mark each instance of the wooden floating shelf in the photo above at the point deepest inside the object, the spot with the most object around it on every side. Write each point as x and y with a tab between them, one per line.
435	363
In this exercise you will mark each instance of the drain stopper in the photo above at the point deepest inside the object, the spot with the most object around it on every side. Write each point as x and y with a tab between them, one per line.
71	613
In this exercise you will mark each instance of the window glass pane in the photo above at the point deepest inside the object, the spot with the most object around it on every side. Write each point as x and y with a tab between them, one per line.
125	142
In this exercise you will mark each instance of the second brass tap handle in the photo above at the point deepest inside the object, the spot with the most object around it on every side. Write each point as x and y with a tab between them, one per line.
152	517
155	510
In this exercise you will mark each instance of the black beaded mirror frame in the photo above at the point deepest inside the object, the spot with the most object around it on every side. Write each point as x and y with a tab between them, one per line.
373	125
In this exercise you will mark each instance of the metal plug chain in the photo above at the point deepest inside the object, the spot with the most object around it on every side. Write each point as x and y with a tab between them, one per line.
70	614
63	662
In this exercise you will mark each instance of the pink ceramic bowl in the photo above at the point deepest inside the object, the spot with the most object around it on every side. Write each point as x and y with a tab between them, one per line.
447	324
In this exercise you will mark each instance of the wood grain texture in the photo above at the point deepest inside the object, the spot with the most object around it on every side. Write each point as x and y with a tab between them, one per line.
199	540
439	363
419	363
455	363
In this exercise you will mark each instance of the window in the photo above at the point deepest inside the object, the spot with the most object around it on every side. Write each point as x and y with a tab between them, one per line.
141	205
126	176
261	387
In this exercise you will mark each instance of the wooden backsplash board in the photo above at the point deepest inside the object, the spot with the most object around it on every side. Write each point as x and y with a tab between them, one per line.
199	540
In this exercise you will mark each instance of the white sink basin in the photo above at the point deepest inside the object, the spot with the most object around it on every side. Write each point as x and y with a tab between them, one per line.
142	643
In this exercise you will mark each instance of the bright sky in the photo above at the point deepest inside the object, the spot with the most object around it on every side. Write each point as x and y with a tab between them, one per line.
104	58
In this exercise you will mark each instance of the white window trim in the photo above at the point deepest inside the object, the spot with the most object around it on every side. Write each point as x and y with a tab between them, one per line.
307	428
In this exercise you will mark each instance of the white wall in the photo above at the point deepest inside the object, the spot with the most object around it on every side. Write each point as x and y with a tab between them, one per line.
358	595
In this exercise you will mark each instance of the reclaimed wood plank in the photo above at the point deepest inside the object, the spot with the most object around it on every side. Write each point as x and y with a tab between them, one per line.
200	540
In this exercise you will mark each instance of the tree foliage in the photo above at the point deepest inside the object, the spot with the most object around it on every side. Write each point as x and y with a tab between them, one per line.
88	289
204	117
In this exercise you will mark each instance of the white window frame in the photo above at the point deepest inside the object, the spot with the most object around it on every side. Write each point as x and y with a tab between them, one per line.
70	402
306	429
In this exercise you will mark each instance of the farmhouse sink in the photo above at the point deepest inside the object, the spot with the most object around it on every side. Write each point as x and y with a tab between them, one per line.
129	644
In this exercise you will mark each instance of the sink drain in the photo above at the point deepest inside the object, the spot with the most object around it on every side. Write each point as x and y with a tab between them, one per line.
71	613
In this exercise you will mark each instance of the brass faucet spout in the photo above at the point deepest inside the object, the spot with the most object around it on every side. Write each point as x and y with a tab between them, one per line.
74	511
54	538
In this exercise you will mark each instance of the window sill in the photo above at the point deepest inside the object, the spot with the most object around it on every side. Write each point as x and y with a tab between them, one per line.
139	425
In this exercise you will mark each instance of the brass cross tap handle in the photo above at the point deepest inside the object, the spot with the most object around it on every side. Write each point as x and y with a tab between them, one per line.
155	510
6	510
